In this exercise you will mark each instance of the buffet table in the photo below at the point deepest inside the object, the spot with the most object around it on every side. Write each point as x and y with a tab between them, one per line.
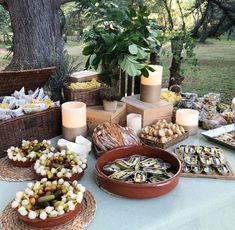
195	204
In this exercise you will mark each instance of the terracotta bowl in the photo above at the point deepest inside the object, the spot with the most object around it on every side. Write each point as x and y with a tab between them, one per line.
139	191
52	221
22	164
75	176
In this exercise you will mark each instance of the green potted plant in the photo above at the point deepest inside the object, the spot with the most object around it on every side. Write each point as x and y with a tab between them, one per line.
110	97
121	40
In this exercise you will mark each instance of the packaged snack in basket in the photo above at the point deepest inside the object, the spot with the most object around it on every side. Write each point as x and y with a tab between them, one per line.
212	98
20	103
17	112
34	108
213	122
4	117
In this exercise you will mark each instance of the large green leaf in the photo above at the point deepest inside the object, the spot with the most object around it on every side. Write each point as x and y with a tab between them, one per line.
88	50
133	49
145	72
112	48
132	13
141	54
131	66
107	38
92	59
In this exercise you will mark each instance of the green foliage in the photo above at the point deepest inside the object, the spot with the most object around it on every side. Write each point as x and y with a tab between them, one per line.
110	94
182	47
122	38
65	66
5	29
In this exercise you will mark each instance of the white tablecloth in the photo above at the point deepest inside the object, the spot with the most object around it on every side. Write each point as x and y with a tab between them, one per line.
195	204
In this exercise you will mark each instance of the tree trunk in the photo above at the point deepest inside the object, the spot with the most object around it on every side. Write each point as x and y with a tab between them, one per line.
176	79
37	40
154	58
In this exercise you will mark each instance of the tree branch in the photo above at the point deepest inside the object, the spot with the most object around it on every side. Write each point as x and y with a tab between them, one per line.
181	13
4	4
200	22
225	9
168	9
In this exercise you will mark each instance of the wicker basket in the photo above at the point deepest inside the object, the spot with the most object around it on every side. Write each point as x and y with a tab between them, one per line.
97	151
166	145
30	79
88	96
39	125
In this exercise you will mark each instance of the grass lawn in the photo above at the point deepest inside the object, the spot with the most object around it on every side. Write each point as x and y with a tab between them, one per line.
216	67
216	63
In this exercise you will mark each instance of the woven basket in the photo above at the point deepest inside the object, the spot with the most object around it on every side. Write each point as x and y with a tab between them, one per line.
164	145
88	96
39	125
97	151
30	79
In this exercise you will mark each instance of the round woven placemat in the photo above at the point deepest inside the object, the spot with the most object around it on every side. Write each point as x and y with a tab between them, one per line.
9	219
9	172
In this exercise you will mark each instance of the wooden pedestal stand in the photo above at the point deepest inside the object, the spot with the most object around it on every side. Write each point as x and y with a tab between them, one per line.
150	112
96	115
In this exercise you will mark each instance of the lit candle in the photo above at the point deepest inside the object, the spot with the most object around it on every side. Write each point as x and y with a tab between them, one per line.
151	85
134	121
74	120
188	118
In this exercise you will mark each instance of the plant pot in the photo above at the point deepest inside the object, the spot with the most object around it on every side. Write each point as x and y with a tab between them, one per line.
110	106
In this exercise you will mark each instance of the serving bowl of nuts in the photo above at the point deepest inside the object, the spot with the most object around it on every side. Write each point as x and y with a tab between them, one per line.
45	204
64	164
29	151
163	134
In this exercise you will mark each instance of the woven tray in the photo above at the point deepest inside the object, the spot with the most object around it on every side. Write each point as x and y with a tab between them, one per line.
9	172
39	125
165	145
88	96
216	175
9	219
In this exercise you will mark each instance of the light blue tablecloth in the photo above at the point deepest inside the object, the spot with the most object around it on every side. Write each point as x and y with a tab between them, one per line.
195	204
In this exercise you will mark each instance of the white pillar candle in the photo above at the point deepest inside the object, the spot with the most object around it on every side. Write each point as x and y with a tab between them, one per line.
74	119
151	85
134	121
188	118
154	78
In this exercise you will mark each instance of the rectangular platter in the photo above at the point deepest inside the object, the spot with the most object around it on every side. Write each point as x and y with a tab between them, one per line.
166	145
215	175
213	133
